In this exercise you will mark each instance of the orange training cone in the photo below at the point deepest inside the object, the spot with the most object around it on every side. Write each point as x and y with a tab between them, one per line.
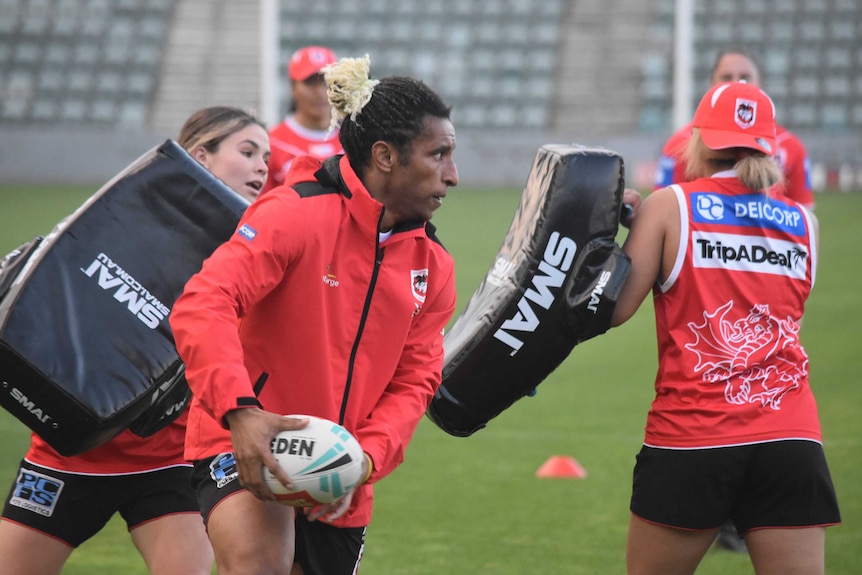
561	466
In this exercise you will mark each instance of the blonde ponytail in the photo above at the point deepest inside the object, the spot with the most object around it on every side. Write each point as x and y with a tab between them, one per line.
758	172
755	170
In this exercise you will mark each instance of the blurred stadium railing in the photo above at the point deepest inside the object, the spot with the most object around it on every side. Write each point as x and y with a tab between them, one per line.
91	84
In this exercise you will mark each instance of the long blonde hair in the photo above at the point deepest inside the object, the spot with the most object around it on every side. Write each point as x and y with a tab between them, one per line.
755	170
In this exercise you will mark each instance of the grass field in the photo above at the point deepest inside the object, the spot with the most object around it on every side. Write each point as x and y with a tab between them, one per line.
473	505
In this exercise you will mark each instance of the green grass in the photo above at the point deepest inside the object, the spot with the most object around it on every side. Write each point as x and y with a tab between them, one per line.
473	505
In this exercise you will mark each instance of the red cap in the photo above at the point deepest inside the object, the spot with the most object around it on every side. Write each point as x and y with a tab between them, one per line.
309	61
736	115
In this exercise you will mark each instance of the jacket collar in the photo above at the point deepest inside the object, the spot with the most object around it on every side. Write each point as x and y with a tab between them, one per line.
336	172
329	175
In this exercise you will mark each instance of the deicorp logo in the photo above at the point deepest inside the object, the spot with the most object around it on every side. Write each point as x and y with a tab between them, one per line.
749	210
710	207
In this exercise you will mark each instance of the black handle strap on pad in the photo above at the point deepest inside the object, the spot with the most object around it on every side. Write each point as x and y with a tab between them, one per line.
554	283
85	345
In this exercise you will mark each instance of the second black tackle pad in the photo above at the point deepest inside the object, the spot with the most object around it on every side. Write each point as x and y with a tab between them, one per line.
86	350
554	283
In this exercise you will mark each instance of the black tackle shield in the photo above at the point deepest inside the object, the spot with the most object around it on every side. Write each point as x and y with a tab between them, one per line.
553	284
85	346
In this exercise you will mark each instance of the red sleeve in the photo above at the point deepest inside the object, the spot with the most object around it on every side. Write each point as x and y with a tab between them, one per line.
387	432
795	165
206	316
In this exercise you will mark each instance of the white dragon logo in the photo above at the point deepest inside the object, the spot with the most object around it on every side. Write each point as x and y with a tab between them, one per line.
746	355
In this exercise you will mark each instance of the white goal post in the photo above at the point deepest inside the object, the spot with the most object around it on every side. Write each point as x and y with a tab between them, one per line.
683	44
269	61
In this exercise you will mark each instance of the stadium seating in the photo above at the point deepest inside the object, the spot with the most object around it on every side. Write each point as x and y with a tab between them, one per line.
524	70
808	50
92	62
494	61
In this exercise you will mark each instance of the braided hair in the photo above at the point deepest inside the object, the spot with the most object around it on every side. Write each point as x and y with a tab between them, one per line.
393	109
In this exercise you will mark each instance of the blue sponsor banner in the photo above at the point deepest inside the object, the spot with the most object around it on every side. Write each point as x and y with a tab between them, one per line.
750	210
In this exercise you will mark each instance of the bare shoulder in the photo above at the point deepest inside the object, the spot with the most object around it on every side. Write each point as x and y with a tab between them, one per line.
658	207
665	194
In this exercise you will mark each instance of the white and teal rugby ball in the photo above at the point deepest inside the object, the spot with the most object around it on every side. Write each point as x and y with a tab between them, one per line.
323	460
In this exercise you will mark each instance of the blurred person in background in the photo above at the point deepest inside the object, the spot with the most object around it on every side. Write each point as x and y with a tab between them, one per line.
146	480
733	433
306	129
737	64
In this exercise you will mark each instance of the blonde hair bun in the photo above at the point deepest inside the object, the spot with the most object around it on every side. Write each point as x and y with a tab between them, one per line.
349	87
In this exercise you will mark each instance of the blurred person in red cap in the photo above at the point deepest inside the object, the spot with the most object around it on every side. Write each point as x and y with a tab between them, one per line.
737	64
733	433
305	130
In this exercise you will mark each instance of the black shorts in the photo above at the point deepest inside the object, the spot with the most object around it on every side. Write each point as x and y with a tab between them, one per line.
321	549
73	507
774	484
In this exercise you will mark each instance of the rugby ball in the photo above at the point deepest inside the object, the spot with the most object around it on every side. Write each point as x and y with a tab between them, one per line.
323	460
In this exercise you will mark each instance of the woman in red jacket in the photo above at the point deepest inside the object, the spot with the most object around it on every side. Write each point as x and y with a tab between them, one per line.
733	432
330	300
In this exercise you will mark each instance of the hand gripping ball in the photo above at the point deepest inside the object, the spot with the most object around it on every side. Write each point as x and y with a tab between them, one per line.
323	460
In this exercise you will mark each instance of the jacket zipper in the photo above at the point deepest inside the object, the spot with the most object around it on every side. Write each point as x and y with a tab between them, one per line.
378	261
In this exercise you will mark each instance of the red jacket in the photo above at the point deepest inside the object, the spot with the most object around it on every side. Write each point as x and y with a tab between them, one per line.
345	327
